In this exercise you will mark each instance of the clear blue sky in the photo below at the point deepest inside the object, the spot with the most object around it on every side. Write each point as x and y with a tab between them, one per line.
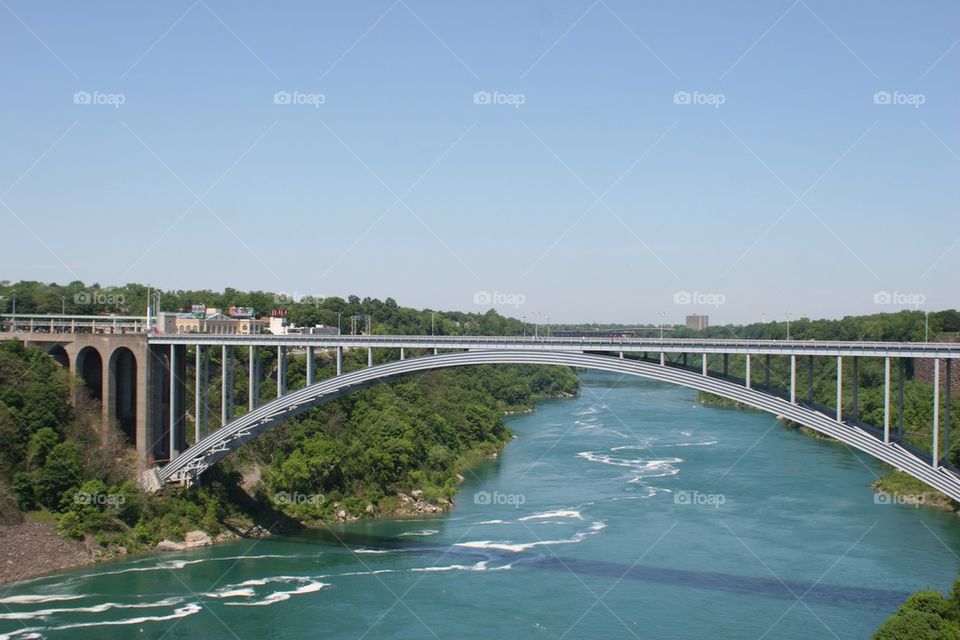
597	199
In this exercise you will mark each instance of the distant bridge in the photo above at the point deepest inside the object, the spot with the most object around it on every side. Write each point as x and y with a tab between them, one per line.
157	365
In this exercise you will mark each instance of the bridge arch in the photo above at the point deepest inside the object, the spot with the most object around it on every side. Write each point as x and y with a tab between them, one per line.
58	353
122	385
188	467
89	366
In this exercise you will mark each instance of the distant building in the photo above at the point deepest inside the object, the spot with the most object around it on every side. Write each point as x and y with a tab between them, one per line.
280	326
212	321
697	322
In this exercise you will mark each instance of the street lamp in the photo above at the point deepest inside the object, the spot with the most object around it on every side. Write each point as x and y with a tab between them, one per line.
535	326
339	314
523	320
788	325
661	315
926	327
433	323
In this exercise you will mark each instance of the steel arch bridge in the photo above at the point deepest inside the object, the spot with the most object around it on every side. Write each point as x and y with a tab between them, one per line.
189	465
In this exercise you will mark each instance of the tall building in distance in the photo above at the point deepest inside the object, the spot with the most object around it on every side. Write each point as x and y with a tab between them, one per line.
697	322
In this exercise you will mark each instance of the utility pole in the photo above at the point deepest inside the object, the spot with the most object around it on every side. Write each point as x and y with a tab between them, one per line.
926	327
433	323
788	326
661	315
339	313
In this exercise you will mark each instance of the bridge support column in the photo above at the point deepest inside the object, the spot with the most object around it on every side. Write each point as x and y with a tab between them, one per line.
663	359
310	364
839	388
621	355
281	371
726	364
793	379
748	370
402	354
435	351
174	403
253	381
198	393
946	410
936	413
855	409
226	384
369	356
809	378
703	364
339	360
886	400
900	399
766	373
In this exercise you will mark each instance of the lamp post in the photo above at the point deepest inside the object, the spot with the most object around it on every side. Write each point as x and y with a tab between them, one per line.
339	314
926	327
523	320
661	315
788	326
433	323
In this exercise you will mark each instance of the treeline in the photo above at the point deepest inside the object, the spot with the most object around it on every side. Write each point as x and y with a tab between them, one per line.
386	316
412	436
926	615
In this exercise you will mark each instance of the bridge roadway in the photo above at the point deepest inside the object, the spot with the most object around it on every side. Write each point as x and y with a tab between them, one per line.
577	345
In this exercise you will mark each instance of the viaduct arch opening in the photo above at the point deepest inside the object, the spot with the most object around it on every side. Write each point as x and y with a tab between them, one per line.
90	369
123	379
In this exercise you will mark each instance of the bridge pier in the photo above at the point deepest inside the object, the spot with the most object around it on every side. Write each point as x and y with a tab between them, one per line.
766	373
726	364
226	384
663	359
936	413
748	370
946	411
198	392
886	400
900	400
809	378
253	378
281	371
402	354
369	356
703	364
339	360
310	365
793	379
839	388
855	408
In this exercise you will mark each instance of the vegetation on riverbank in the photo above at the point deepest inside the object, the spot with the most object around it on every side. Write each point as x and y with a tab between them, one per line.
926	615
391	449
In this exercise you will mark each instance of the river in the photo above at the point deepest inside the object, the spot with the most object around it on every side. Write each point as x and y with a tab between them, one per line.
630	511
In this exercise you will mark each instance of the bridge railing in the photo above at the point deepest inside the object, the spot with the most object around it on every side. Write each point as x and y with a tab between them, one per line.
48	324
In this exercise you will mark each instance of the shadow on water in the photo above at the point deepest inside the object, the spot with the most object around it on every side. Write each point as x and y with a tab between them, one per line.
771	587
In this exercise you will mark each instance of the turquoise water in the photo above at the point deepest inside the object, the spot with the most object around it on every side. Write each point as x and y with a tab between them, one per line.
628	512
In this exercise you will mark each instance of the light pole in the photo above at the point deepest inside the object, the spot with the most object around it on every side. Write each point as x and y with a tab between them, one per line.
535	326
523	320
661	315
548	325
788	326
926	327
433	323
339	314
63	306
